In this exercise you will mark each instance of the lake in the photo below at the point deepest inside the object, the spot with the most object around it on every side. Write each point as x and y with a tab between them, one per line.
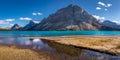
21	40
59	33
55	50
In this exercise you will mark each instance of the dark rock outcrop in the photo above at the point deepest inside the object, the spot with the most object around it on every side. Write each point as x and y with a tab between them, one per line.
15	27
72	17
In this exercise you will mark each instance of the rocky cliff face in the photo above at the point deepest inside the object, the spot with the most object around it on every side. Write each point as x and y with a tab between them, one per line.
29	26
72	17
15	27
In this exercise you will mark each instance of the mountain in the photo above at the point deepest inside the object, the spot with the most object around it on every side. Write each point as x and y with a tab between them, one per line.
29	26
71	17
111	24
15	27
0	27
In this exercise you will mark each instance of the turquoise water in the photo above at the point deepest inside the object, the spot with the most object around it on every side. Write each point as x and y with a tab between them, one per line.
55	50
58	33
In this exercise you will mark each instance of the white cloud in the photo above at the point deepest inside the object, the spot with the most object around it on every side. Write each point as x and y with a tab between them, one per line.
10	20
99	17
37	14
98	8
4	22
108	5
116	20
25	18
36	21
103	4
34	14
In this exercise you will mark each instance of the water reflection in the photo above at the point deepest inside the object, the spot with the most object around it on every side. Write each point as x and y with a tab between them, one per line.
56	50
69	50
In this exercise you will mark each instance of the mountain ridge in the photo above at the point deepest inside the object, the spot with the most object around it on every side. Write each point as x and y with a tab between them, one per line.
15	27
71	17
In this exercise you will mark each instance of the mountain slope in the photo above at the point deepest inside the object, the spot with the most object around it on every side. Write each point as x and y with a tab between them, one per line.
29	26
15	27
72	17
111	24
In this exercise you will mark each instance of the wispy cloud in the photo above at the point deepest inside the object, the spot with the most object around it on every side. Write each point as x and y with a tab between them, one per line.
116	20
34	14
25	18
40	13
3	22
103	4
37	14
6	21
36	21
98	8
98	17
10	20
108	5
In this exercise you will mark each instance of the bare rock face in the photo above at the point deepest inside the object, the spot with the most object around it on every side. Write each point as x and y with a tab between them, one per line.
15	27
72	17
29	26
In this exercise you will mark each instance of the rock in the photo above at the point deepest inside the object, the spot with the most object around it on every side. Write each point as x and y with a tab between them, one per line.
72	17
15	27
29	26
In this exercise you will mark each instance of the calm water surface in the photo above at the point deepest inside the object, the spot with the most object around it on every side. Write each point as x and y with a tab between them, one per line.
55	50
58	33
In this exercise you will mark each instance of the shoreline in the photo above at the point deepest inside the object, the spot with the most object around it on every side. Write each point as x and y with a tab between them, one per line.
103	44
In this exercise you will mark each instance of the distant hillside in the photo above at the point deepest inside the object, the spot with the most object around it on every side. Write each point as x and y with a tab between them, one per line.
111	24
1	29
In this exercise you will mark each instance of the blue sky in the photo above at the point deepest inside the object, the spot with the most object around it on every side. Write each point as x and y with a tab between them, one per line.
22	11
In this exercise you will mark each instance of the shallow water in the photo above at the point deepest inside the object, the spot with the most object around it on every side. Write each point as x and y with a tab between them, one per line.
56	51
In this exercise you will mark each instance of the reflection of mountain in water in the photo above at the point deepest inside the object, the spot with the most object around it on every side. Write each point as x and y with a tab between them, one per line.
54	50
69	50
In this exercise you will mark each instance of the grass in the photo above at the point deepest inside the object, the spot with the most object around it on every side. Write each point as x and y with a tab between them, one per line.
98	43
118	47
13	53
61	48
